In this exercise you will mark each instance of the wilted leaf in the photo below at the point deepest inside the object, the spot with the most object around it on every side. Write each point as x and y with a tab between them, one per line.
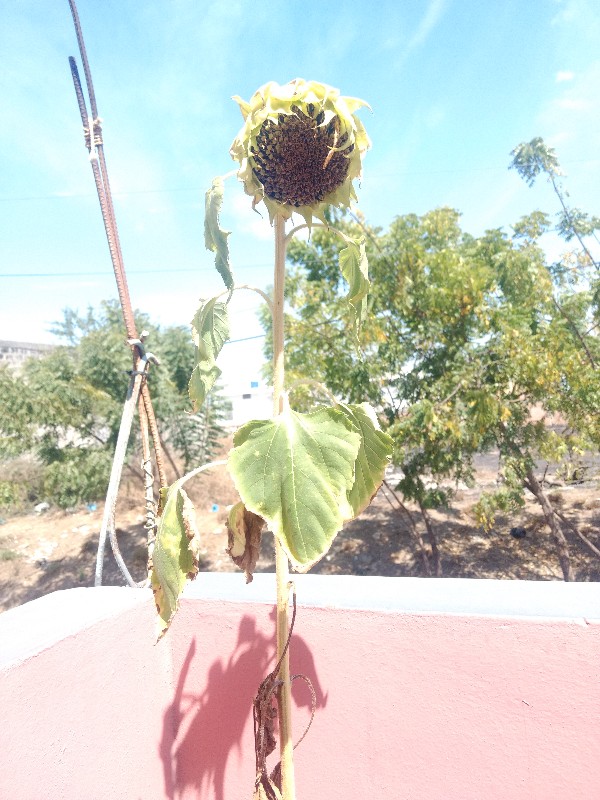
215	238
175	555
295	471
244	531
373	456
202	379
355	269
210	331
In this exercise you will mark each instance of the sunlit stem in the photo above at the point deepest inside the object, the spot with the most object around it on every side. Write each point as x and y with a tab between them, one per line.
200	469
286	746
240	286
301	227
312	225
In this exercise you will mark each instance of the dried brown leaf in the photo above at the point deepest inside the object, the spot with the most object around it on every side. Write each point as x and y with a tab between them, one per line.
244	531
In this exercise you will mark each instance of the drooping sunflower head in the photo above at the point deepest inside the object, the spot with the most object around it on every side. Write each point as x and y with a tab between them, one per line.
300	148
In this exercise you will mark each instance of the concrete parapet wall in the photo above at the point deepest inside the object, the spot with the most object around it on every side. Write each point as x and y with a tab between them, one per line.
425	689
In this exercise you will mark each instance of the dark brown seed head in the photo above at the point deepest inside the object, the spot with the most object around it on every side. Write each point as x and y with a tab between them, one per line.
292	158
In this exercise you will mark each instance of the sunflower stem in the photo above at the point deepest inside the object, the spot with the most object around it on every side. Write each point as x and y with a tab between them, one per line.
284	697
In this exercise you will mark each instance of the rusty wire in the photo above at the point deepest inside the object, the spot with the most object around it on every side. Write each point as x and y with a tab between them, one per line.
94	143
149	502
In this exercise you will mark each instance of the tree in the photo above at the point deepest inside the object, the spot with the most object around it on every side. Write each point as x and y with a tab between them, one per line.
530	159
466	336
65	408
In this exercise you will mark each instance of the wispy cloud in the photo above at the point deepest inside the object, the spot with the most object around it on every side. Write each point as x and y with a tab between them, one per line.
564	75
430	19
579	15
245	219
572	118
432	16
573	103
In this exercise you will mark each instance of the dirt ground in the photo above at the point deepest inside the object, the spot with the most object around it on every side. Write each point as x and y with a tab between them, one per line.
41	553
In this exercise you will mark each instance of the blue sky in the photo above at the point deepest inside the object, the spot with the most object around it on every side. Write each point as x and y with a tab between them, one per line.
454	85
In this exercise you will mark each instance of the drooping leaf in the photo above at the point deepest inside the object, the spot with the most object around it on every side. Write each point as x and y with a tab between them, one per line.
373	456
202	380
295	471
210	328
210	331
355	269
244	531
215	238
176	553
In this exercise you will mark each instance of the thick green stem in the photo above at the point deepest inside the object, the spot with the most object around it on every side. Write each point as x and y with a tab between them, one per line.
286	746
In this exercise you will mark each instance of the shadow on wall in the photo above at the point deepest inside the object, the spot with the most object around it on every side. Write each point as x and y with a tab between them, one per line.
215	720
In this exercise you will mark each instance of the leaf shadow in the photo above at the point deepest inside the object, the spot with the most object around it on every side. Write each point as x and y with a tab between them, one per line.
202	730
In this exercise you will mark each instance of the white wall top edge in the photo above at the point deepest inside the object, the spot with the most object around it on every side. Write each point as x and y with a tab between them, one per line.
500	598
35	626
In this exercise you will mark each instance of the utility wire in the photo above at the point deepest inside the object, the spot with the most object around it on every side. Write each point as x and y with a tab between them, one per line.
129	272
200	191
245	339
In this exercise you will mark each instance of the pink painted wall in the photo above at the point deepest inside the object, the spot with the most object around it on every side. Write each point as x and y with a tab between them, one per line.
432	690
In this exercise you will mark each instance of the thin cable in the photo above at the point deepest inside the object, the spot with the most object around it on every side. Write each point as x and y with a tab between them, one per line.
375	174
245	339
131	272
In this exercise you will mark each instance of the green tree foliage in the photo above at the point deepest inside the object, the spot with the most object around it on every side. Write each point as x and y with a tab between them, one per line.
66	407
534	158
465	337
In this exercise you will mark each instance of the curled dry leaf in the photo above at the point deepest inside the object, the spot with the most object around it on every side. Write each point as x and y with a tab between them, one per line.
188	515
244	531
175	557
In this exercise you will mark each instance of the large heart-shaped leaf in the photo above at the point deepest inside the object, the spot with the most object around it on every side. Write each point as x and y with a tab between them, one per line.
176	553
215	238
210	331
373	456
295	472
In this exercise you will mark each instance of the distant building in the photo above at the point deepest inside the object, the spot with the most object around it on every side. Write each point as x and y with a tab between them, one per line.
15	353
249	395
250	399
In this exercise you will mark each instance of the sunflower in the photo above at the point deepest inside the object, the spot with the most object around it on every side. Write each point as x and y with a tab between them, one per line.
300	148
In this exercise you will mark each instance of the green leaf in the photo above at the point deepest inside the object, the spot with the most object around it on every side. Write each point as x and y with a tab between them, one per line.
215	238
355	269
176	553
373	456
202	380
295	471
210	331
